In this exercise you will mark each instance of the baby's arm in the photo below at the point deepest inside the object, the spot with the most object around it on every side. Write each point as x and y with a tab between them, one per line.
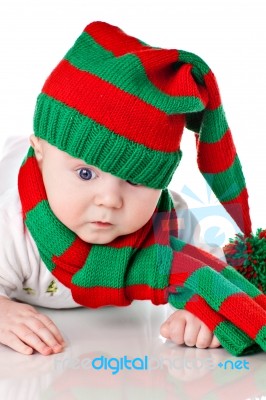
24	329
182	327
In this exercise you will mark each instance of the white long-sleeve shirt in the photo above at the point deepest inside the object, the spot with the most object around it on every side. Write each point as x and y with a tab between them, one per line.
23	275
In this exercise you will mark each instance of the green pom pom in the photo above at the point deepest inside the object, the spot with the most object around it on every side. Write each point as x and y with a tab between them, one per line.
247	254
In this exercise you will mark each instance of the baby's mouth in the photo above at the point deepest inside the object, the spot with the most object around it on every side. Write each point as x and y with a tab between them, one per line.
102	224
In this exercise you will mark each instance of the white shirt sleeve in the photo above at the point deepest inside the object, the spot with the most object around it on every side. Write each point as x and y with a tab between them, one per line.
23	275
14	260
12	154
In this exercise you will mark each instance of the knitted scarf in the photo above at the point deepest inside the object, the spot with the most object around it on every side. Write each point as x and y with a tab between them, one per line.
150	264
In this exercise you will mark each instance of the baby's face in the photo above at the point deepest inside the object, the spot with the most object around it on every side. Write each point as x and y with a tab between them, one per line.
95	205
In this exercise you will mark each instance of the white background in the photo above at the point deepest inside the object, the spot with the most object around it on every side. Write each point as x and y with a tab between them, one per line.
229	35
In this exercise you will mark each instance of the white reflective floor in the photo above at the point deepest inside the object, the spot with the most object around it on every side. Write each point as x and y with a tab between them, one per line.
151	368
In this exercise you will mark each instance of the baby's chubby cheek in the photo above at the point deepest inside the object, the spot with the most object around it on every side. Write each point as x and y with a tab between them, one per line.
69	217
65	212
138	217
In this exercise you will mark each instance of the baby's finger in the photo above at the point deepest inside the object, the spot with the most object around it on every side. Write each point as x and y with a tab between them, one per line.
165	327
44	334
165	330
27	336
214	343
204	338
172	316
11	340
177	330
191	334
52	327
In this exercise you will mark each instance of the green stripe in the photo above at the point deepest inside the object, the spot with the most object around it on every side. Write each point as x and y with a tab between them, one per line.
211	125
151	267
165	204
92	275
214	125
237	279
101	62
180	298
200	68
51	228
159	257
83	138
177	244
234	340
261	337
30	153
227	185
211	285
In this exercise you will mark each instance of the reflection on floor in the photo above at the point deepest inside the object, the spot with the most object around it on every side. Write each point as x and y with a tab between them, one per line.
117	353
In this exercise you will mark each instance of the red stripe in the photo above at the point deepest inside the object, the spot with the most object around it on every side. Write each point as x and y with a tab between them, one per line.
243	312
108	106
216	157
204	257
213	90
261	300
188	260
182	268
113	38
145	292
198	306
30	176
69	262
238	208
102	296
160	68
160	65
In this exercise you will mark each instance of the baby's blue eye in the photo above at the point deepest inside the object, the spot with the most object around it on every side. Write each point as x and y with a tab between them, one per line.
85	173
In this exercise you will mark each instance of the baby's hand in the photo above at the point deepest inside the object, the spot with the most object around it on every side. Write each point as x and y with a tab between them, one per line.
24	329
182	327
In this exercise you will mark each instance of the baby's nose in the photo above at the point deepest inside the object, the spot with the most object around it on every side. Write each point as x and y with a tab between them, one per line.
110	194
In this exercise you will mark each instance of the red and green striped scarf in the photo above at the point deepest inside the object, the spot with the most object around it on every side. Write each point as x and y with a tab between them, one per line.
150	264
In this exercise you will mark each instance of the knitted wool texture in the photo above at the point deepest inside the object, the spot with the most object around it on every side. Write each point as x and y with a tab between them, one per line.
122	105
150	264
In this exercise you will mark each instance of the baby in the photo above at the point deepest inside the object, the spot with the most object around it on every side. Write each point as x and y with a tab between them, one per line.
98	207
93	222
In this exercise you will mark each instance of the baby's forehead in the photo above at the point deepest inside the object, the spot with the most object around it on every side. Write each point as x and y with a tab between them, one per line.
66	159
50	149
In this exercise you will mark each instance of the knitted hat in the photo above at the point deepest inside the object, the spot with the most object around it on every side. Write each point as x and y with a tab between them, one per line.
122	105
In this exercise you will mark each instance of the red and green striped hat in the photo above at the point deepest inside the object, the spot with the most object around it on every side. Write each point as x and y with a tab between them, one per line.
122	105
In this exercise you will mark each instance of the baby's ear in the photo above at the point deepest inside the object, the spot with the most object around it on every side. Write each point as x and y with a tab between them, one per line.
36	143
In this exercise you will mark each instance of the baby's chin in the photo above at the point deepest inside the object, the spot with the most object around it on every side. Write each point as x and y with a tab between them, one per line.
102	236
99	239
